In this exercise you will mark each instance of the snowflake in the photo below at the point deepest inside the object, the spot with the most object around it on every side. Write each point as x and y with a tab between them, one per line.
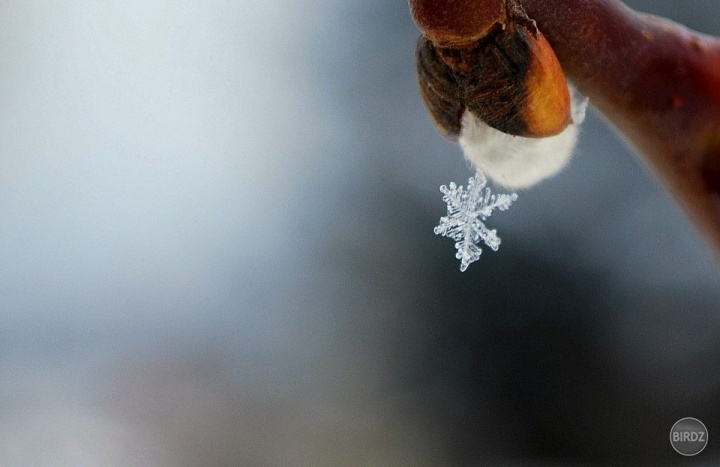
467	209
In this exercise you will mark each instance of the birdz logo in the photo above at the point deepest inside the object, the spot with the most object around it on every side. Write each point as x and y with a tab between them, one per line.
688	436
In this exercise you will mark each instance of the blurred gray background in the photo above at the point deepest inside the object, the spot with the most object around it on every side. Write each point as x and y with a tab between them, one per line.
216	249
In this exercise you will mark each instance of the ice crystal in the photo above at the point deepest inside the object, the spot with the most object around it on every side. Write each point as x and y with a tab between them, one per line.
466	211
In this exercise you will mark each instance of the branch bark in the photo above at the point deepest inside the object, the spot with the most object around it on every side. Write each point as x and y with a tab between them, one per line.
656	82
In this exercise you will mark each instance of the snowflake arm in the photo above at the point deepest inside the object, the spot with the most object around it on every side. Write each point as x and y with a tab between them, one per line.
466	211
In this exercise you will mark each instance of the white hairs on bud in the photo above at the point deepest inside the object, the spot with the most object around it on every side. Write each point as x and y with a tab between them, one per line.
517	162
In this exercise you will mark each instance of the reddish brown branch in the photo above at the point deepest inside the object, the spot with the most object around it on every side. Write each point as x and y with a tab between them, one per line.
657	82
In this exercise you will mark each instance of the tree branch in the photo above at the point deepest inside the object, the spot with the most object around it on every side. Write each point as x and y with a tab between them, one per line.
657	82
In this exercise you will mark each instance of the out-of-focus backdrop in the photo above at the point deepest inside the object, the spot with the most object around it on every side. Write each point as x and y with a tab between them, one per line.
216	249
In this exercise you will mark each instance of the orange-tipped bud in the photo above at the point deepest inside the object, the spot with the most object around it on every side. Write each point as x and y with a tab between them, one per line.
510	79
546	110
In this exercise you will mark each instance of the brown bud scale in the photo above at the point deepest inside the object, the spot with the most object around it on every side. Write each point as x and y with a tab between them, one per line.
510	79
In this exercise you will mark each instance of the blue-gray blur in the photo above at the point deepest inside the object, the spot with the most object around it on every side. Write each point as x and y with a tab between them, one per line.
216	248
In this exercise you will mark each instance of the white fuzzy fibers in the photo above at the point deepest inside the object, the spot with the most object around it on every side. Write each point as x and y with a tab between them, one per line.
514	161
